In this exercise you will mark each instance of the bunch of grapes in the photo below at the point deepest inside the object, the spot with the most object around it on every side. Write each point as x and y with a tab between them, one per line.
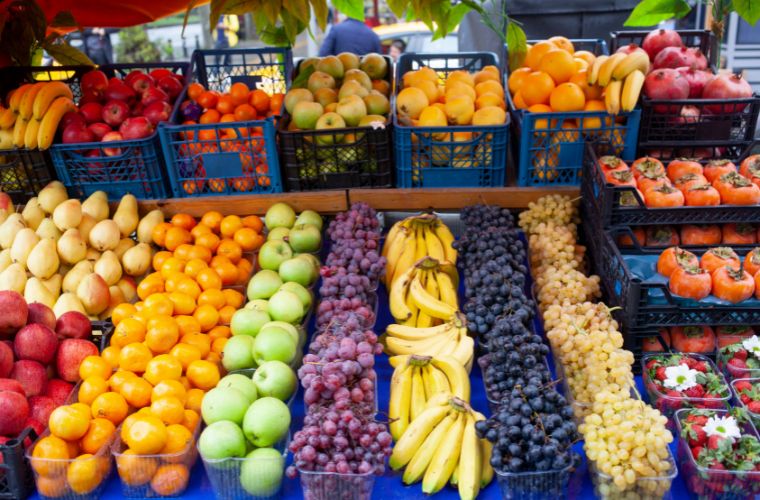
555	208
355	238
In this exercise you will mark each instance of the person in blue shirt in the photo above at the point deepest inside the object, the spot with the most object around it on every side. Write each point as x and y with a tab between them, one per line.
350	35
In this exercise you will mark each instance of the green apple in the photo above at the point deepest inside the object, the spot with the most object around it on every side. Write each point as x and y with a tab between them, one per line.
279	233
242	383
297	270
263	284
237	353
272	254
222	439
258	305
275	379
261	472
315	264
286	306
274	344
224	403
280	215
310	217
291	330
266	422
305	238
304	294
248	322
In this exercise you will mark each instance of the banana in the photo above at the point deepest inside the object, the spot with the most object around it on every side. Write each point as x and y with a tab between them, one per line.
418	400
412	319
636	60
398	405
612	97
431	285
605	71
470	462
444	458
19	129
397	295
7	119
412	333
454	480
407	257
30	134
47	95
400	360
486	470
441	399
25	106
424	320
429	304
390	238
463	351
444	235
451	270
427	382
6	139
438	382
49	124
631	90
421	459
433	244
394	250
457	377
15	98
446	289
420	249
415	434
425	347
593	74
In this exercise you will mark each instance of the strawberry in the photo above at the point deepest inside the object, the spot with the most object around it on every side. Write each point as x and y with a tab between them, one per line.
737	363
754	407
696	419
694	392
651	363
713	401
741	354
659	374
713	442
742	385
697	436
688	361
695	451
701	366
745	399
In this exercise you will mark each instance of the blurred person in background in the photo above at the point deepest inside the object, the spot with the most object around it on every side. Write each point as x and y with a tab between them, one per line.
97	45
396	49
350	35
226	36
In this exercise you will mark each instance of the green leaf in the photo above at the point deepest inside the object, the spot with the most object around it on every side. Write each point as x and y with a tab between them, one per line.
320	12
64	19
351	8
290	25
303	77
67	55
271	9
299	9
397	7
517	44
455	16
652	12
190	6
749	10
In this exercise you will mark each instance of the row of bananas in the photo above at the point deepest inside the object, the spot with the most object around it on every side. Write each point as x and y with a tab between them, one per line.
413	238
441	446
425	294
447	339
622	76
33	114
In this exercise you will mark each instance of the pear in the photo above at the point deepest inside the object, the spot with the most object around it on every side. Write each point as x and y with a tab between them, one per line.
128	288
117	297
105	235
12	225
96	206
33	213
52	195
124	245
137	260
23	244
126	215
5	259
92	255
72	278
36	291
43	260
109	267
47	229
71	247
68	214
94	294
147	224
68	302
13	278
54	284
86	226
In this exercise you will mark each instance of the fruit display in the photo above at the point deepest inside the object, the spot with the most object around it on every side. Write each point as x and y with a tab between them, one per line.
741	358
718	453
747	392
33	115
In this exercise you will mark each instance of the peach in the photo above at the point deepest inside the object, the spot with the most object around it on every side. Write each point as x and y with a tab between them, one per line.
294	96
326	96
319	80
382	86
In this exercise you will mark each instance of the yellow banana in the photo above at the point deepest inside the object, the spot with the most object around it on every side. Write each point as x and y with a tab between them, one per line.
607	68
15	99
636	60
47	95
463	351
394	253
433	244
451	270
631	90
400	398
19	129
412	333
7	118
470	462
415	435
397	295
6	139
431	285
454	480
417	403
446	289
445	458
425	347
486	467
424	320
428	383
593	73
49	124
446	238
30	134
400	360
25	106
612	97
457	377
441	399
438	381
407	257
420	249
421	459
415	311
429	304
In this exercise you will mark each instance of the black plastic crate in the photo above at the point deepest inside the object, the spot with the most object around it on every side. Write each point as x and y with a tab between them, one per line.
703	150
24	172
704	40
268	69
16	477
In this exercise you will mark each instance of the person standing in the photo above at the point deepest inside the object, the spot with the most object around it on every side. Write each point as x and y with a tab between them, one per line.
397	48
352	36
97	45
226	36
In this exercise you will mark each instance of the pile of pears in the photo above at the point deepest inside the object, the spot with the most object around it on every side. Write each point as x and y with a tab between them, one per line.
75	256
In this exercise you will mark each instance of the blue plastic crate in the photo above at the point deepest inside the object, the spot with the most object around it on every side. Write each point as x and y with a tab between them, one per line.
268	69
456	156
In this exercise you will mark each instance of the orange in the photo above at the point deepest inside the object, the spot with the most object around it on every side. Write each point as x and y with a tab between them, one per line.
200	229
219	332
562	43
134	357
193	267
182	252
169	388
519	102
189	287
275	103
185	353
567	97
217	345
590	91
535	53
209	240
70	423
207	316
170	480
118	378
137	392
163	332
203	374
595	121
194	90
259	100
230	249
229	225
174	277
212	219
90	388
228	272
254	222
128	331
225	105
239	92
558	64
542	124
171	265
158	304
200	252
185	221
517	78
146	288
187	325
537	88
177	236
245	267
51	486
210	116
100	433
245	112
169	409
194	399
121	312
159	233
83	474
48	451
183	304
225	314
135	470
209	279
208	99
215	358
147	435
191	420
179	438
163	367
111	406
94	365
213	297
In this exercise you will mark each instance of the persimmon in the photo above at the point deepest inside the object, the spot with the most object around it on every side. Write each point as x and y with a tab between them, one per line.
739	234
648	181
687	179
718	257
647	164
674	257
653	344
639	234
662	236
701	235
731	334
692	338
732	285
682	166
664	196
717	168
621	177
752	261
700	195
737	190
690	282
609	162
628	198
750	168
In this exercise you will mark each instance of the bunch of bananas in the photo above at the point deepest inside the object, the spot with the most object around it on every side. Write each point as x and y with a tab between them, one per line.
447	339
622	76
425	294
441	446
33	114
413	238
416	379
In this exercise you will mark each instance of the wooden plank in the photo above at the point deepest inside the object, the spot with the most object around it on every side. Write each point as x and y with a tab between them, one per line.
453	198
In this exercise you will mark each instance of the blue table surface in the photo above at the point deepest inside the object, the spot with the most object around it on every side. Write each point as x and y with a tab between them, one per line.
388	486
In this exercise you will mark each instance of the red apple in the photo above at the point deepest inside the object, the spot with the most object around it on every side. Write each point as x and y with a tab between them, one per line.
31	375
14	410
71	118
13	312
36	426
11	384
6	360
41	407
157	112
171	86
99	129
71	352
36	342
58	390
111	137
152	95
73	325
6	203
42	314
76	133
93	82
88	97
115	112
140	83
119	91
159	73
92	112
137	109
137	127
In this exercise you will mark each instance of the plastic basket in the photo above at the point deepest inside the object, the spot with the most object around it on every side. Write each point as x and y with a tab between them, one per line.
24	172
755	417
644	488
541	485
456	156
16	479
702	39
731	372
334	486
268	69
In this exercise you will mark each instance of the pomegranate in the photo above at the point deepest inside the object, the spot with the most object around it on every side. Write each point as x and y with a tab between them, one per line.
697	79
675	57
667	84
725	86
657	40
688	114
627	49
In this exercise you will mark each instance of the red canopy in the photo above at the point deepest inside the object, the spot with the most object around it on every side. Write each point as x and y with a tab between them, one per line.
115	13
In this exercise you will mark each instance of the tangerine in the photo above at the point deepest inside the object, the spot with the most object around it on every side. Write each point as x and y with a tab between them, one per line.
135	470
537	88
163	332
191	420
200	229
567	97
189	287
51	486
179	438
210	116
169	409
219	332
183	304
136	391
213	297
146	435
230	249
187	325
69	422
208	279
207	316
169	388
193	267
239	92
194	399
158	304
229	225
245	112
186	354
94	366
48	454
134	357
194	90
84	474
118	378
260	101
100	433
203	374
212	219
559	64
209	240
90	388
182	252
170	480
535	53
208	99
163	367
182	220
158	234
122	311
111	406
128	331
225	314
226	105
